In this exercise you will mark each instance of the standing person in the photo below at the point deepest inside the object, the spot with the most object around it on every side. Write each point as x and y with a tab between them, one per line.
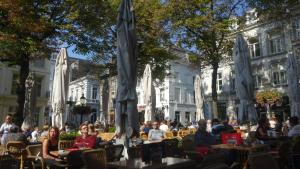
202	137
5	127
155	134
85	140
262	129
163	126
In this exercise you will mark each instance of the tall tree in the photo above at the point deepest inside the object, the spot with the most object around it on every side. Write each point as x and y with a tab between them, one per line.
35	28
202	27
152	38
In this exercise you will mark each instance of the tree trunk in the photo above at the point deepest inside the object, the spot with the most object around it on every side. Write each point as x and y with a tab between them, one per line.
24	71
214	90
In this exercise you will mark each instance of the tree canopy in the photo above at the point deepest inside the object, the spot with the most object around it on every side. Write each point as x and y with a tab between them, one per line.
203	27
32	29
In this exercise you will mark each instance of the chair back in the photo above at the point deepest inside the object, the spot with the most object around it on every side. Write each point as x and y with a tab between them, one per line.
169	135
170	147
16	148
143	136
65	144
188	145
34	150
94	159
135	152
231	138
74	159
114	152
212	159
217	166
262	160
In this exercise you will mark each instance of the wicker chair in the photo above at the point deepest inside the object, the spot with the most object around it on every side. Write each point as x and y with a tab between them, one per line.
135	152
170	147
94	159
114	152
65	144
143	136
169	135
17	150
35	155
261	161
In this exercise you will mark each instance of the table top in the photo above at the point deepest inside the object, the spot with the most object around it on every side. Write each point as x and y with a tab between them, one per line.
241	148
168	162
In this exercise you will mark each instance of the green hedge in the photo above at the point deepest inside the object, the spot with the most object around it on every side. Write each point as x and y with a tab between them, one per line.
69	136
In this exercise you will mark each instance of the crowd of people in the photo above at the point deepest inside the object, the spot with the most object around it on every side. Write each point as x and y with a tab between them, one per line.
207	132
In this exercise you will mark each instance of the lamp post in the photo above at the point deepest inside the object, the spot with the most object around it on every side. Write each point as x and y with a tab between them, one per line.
82	101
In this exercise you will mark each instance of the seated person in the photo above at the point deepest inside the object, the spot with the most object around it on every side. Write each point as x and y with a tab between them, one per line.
51	144
202	137
13	135
262	129
85	140
294	127
155	134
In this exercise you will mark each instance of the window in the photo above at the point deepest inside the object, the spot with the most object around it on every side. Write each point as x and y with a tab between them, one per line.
94	92
177	116
187	116
161	92
38	86
72	95
232	81
257	80
177	94
194	97
279	77
176	76
219	81
15	84
276	45
76	96
297	28
254	48
185	96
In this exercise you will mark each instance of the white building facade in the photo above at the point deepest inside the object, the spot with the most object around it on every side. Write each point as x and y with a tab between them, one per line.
89	87
175	95
9	77
269	44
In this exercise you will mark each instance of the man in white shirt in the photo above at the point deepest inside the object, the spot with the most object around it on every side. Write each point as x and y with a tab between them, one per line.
295	127
35	134
5	127
163	126
155	134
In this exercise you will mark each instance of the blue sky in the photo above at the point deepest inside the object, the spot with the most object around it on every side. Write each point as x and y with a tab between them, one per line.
72	53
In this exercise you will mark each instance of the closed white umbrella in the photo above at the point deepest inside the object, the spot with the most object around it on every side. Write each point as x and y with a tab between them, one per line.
148	93
244	81
198	98
293	84
60	89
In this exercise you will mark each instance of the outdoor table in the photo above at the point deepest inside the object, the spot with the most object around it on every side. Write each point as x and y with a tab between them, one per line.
239	148
169	163
243	150
64	153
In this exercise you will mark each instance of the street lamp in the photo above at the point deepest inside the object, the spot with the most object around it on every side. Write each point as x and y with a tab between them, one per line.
82	101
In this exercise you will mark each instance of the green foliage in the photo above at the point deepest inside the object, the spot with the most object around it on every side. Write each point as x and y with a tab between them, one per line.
69	136
270	96
273	9
111	129
203	27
